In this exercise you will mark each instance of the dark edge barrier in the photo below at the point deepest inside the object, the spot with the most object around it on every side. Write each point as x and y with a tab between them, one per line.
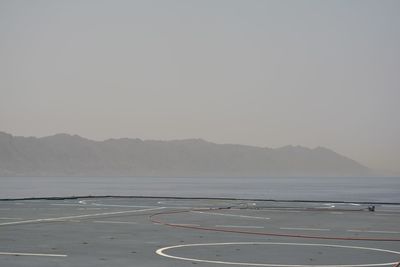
199	198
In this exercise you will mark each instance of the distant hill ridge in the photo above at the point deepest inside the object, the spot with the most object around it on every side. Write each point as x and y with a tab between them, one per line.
72	155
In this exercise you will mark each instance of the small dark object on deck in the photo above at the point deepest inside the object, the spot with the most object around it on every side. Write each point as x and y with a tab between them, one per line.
371	208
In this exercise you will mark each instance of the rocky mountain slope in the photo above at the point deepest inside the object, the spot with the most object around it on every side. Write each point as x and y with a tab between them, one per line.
72	155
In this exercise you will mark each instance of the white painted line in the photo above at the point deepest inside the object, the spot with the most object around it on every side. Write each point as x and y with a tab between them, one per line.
80	207
326	206
231	215
303	229
336	212
77	216
10	218
116	222
31	254
383	214
121	206
162	252
240	226
385	232
374	231
64	204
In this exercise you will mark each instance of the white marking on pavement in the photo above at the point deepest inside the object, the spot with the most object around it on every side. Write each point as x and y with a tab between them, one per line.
77	216
10	218
121	206
231	215
117	222
161	252
326	206
336	212
63	204
240	226
373	231
31	254
303	229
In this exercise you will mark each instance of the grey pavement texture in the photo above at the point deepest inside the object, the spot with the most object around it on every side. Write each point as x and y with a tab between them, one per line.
210	232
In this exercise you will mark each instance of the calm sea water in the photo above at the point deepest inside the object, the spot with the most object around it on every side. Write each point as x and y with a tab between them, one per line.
348	189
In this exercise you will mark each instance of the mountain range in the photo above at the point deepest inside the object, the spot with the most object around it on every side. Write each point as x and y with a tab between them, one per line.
72	155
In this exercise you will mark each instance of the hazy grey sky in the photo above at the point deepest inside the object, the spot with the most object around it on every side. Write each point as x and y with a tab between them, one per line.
265	73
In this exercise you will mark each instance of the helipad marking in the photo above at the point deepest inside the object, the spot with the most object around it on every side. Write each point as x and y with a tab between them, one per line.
162	253
31	254
231	215
303	229
77	216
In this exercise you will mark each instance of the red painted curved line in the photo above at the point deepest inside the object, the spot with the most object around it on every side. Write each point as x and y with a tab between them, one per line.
152	219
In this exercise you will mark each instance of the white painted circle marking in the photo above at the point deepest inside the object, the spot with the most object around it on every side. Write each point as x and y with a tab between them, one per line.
162	253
